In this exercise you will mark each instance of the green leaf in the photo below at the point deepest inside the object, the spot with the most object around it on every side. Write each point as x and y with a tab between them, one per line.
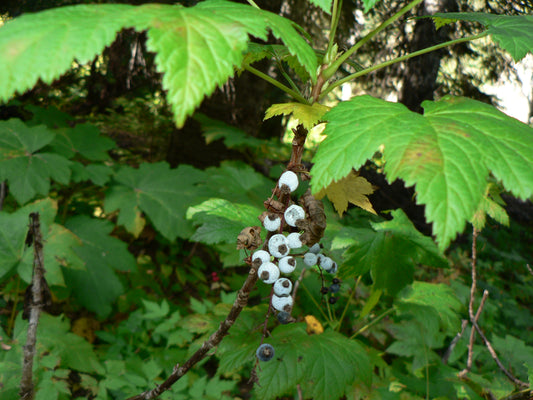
197	48
447	153
164	194
43	45
514	33
237	182
59	243
369	4
233	137
99	174
325	5
515	353
98	286
439	296
322	364
306	115
372	248
27	170
83	139
221	220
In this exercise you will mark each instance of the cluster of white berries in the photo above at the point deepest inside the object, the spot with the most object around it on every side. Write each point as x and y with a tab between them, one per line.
277	260
279	247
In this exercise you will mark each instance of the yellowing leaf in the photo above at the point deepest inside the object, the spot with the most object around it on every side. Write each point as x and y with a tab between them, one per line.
352	188
491	205
307	115
313	325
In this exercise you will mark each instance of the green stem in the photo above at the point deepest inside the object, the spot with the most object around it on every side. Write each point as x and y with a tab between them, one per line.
347	305
252	3
373	322
399	59
315	302
277	84
287	77
328	72
335	16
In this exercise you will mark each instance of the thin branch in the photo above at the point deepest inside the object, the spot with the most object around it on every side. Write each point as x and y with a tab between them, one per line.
454	342
36	303
373	322
277	84
329	71
493	354
397	60
213	341
529	269
3	193
475	326
473	286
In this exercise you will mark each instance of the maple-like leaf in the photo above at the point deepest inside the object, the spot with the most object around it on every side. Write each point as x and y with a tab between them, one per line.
197	48
323	365
350	189
162	193
98	286
447	153
307	115
369	249
27	169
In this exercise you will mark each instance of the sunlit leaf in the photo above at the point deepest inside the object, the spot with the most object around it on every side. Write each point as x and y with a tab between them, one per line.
307	115
447	153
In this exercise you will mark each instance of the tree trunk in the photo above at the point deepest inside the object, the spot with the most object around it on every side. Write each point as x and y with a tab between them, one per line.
420	77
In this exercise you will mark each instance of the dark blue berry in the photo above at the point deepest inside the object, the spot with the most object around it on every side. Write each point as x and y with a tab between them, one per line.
335	287
284	317
265	352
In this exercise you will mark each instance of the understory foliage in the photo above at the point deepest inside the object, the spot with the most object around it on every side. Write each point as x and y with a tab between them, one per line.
141	257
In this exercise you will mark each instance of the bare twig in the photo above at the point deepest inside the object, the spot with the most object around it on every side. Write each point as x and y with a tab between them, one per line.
529	269
463	373
3	193
476	327
454	342
493	354
36	303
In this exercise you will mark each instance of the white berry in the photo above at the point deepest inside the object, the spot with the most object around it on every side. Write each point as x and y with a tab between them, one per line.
294	240
278	246
282	303
262	255
310	259
282	287
287	265
272	222
326	263
268	272
289	179
293	214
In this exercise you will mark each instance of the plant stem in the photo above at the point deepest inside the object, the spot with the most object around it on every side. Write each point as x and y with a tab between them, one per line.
348	302
328	72
315	303
373	322
335	16
252	3
277	84
399	59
